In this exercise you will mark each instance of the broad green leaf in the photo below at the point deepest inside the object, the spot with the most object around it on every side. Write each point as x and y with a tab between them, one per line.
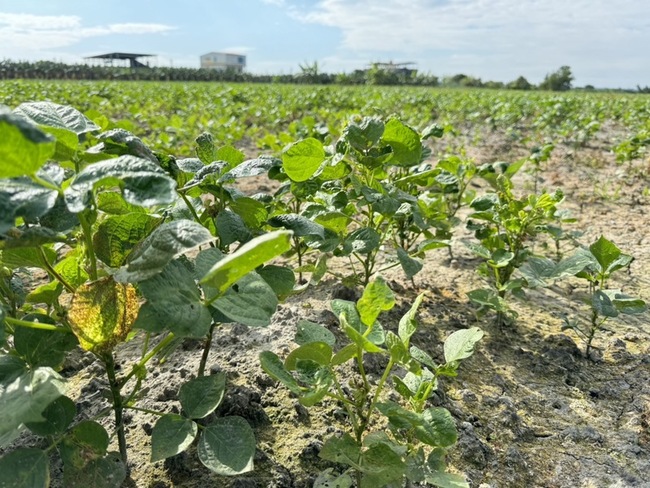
355	336
398	351
43	347
47	293
300	225
176	302
251	167
25	468
460	344
342	450
477	249
327	479
446	480
102	313
537	270
307	332
142	183
484	202
439	428
105	472
171	435
421	356
24	148
334	221
344	355
231	228
200	396
574	264
24	398
381	466
351	314
57	116
11	367
86	442
603	305
227	446
281	279
365	134
205	148
411	266
248	257
377	297
117	235
500	258
163	244
407	148
274	367
362	241
488	299
408	323
204	261
113	203
58	416
32	237
233	156
605	252
27	257
252	212
626	304
72	268
120	142
250	301
319	352
301	159
21	197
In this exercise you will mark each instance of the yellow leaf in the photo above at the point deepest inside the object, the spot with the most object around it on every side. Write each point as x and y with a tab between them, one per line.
102	313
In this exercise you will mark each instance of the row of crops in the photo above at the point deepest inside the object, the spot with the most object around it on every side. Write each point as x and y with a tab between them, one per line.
119	224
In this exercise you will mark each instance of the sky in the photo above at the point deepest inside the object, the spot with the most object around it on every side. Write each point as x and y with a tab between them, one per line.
604	42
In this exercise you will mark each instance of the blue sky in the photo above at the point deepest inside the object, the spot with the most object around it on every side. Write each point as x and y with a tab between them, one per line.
604	42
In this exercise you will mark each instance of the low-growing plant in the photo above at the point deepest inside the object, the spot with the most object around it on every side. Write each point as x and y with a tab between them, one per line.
107	225
412	449
595	265
506	228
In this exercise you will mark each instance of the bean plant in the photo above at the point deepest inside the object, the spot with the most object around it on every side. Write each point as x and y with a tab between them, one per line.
412	447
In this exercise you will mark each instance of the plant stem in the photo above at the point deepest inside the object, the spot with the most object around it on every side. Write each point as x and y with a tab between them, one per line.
162	344
206	350
191	207
118	408
35	325
53	272
88	238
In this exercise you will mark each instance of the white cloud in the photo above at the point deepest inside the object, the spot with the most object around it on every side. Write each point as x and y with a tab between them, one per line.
497	39
277	3
26	36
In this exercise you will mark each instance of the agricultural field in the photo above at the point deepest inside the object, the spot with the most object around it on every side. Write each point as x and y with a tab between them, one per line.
238	285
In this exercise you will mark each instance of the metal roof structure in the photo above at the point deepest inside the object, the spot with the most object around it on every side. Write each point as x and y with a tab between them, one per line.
131	57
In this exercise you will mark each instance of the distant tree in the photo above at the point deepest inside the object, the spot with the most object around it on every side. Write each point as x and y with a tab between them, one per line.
494	85
558	81
520	83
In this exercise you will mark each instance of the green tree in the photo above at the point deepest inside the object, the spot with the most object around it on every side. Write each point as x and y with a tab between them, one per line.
520	83
560	80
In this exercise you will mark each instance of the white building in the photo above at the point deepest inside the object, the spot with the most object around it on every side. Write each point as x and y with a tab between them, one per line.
224	61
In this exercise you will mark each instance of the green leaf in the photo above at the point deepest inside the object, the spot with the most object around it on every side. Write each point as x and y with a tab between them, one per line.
319	352
72	268
25	468
163	244
537	270
626	304
24	398
234	157
345	354
58	416
281	279
307	332
603	305
142	183
605	252
407	148
43	347
251	167
365	134
377	297
105	472
274	367
227	446
408	323
250	301
171	435
488	299
86	442
300	225
120	142
349	311
460	344
327	479
438	428
57	116
574	264
477	249
117	235
484	202
355	336
381	466
201	396
205	148
176	302
411	266
362	241
252	212
28	257
248	257
231	228
23	147
22	197
301	159
342	450
500	258
446	480
335	221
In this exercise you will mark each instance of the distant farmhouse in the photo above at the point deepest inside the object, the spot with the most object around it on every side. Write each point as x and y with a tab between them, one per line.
224	62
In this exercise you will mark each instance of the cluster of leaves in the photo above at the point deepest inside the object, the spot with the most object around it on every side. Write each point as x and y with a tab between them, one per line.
320	367
110	223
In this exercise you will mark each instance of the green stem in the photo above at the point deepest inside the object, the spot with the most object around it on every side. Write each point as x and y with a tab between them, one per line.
88	238
118	408
380	387
206	350
191	208
347	404
53	272
161	345
35	325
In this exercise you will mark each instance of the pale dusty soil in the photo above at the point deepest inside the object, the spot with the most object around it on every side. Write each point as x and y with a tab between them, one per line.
531	410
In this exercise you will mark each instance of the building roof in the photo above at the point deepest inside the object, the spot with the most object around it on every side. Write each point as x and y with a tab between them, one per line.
119	56
220	52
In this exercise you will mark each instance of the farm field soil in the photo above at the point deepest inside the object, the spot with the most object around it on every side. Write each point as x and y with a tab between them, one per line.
531	410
